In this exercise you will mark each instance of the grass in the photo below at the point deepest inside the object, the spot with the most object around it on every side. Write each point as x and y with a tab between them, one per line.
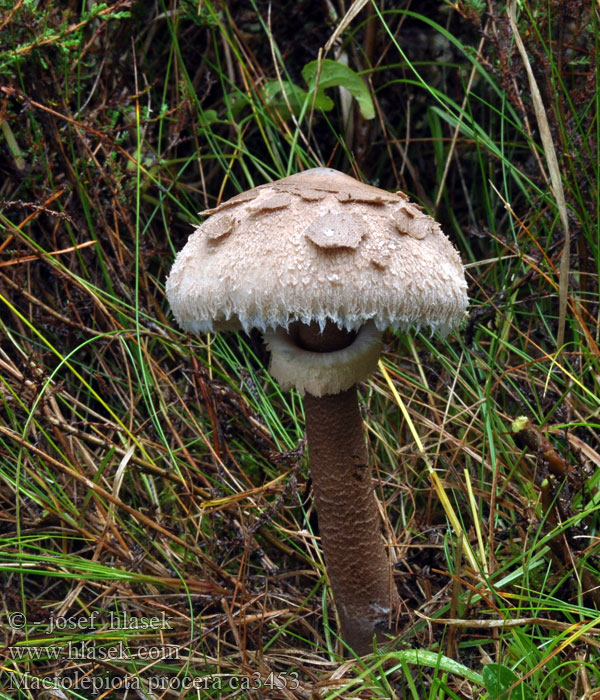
152	476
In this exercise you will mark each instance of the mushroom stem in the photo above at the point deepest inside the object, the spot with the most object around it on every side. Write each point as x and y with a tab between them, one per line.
349	521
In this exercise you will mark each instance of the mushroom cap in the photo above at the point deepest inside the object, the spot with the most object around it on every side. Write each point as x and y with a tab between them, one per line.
317	246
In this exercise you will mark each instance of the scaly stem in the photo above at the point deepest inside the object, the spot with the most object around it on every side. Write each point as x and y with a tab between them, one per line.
349	522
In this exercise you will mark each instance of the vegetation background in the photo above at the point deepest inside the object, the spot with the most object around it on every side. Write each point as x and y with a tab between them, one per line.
146	474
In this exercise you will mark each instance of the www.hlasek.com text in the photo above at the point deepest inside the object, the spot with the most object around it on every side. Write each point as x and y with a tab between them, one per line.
91	649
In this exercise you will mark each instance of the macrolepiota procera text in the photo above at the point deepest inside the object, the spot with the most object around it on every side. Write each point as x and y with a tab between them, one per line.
322	263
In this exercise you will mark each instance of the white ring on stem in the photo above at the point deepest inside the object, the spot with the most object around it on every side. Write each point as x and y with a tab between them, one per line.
320	373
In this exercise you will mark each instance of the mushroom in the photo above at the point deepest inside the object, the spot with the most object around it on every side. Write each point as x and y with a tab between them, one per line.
321	264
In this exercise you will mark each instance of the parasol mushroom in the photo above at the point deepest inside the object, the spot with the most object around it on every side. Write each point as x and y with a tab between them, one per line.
321	264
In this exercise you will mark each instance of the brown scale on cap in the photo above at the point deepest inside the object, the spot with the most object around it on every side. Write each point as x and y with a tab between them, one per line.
220	226
320	182
414	224
330	231
276	201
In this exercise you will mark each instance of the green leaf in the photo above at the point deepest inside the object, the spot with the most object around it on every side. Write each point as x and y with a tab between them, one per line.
423	657
499	678
336	74
294	96
209	116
